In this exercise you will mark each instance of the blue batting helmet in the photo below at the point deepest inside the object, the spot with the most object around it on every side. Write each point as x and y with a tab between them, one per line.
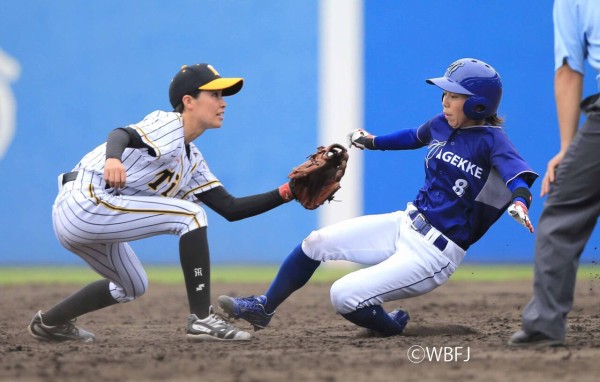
477	79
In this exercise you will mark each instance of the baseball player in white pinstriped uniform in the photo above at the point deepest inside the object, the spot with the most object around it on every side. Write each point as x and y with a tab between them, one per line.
149	179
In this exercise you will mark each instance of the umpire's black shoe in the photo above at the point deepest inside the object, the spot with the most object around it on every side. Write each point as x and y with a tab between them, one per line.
58	333
524	339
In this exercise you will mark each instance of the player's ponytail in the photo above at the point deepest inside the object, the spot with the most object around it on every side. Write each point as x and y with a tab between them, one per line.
494	120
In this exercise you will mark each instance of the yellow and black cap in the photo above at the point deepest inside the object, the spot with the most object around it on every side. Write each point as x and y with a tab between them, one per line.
196	77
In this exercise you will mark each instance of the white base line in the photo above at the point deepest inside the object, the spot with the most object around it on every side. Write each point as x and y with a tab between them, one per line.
341	97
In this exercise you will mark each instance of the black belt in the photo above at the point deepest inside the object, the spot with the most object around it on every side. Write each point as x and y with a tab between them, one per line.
69	177
422	226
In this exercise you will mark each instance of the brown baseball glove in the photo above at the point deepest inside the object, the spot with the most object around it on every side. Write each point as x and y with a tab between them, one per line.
316	181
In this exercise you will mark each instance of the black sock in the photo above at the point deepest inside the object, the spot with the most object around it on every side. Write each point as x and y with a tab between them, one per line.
88	299
195	263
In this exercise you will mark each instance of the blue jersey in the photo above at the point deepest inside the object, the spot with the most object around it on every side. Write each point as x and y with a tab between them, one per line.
466	175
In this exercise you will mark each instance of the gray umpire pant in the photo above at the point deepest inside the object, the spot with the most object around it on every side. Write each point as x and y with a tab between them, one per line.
567	221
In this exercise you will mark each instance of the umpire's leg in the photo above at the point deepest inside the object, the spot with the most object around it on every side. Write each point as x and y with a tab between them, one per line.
566	223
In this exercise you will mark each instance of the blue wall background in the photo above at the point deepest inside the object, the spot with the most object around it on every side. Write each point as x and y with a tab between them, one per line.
88	67
409	41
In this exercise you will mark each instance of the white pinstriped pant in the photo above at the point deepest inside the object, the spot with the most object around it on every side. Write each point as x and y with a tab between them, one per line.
96	226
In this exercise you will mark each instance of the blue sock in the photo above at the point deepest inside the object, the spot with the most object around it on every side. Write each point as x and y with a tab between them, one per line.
374	318
296	270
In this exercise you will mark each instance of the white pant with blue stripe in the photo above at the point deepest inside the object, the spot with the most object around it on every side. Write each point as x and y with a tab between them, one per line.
401	262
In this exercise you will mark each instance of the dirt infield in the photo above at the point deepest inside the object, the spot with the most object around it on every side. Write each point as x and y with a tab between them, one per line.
466	323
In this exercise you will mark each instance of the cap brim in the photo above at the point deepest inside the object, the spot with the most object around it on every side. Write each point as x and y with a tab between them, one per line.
230	86
448	85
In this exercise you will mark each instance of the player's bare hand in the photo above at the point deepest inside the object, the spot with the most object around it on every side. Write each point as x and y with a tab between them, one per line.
519	212
358	138
551	173
114	173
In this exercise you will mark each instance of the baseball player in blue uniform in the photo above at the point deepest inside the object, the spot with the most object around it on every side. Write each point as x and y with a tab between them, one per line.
149	179
473	173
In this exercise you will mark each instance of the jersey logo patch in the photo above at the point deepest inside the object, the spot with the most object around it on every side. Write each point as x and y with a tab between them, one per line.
434	148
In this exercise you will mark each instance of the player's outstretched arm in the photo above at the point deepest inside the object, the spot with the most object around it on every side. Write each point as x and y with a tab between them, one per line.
231	208
404	139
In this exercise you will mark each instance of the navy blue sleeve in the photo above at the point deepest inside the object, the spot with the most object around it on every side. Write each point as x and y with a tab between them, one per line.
508	162
517	182
406	139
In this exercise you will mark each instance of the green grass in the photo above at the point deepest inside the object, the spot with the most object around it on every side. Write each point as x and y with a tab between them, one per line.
263	274
156	274
513	272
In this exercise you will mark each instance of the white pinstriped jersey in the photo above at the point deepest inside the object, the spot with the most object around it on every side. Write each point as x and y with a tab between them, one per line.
164	170
159	198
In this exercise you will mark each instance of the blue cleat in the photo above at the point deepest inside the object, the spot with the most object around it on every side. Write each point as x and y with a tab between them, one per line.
251	309
401	316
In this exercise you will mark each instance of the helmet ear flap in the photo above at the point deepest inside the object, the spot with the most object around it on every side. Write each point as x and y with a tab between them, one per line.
477	108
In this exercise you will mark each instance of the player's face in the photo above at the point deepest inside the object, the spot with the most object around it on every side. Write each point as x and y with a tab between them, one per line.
209	109
453	110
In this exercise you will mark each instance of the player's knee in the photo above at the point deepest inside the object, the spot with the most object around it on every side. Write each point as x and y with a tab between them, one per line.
124	295
342	297
195	221
312	244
